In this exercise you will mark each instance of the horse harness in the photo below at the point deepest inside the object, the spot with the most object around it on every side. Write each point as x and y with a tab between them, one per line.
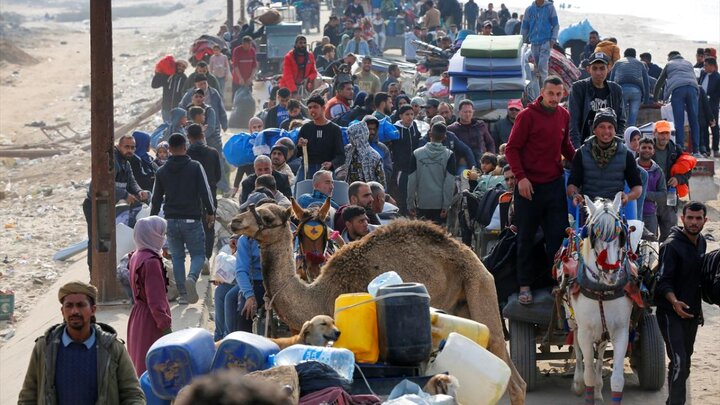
588	288
314	229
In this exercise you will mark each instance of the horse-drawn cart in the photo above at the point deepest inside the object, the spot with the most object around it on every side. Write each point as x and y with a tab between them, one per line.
603	273
533	336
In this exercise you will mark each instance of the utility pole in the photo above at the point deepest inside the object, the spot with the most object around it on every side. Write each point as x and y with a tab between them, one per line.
230	16
102	274
242	11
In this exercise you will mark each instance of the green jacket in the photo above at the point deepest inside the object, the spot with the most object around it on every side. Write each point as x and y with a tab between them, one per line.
117	381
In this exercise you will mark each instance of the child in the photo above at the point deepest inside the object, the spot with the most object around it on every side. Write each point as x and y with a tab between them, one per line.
220	67
489	178
162	152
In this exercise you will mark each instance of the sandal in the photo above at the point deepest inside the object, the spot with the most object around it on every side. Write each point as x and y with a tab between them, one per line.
525	297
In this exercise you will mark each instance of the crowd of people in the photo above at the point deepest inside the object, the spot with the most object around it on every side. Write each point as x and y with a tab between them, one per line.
565	144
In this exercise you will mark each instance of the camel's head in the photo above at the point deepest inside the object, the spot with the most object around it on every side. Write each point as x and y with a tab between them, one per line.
255	220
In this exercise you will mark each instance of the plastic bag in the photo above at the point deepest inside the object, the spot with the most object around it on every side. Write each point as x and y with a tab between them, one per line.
315	376
224	268
238	149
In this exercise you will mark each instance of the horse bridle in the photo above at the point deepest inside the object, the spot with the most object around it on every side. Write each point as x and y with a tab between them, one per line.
302	254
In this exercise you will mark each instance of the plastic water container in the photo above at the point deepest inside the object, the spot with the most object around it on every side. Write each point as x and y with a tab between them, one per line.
175	359
358	326
150	397
671	199
403	323
483	376
341	360
244	351
444	324
387	278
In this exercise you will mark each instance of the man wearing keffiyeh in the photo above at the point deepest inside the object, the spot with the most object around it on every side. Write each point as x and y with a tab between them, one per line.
603	165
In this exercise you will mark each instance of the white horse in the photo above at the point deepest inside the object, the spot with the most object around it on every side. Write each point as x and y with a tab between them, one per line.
601	309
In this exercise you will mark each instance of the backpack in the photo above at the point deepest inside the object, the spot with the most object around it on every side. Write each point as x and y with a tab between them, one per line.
486	204
710	285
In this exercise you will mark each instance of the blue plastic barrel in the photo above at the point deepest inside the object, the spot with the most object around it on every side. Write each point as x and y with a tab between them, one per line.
174	360
150	397
244	351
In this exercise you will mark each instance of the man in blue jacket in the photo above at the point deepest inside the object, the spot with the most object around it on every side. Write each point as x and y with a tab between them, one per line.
540	29
632	76
681	87
182	188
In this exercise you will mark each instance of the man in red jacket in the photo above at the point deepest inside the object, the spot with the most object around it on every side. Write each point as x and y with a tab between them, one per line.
298	65
537	140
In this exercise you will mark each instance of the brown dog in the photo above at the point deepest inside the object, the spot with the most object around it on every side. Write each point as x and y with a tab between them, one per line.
442	384
316	332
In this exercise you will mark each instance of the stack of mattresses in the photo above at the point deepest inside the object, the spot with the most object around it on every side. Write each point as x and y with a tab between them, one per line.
488	70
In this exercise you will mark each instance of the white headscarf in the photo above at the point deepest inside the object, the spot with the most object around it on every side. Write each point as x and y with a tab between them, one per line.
150	233
628	135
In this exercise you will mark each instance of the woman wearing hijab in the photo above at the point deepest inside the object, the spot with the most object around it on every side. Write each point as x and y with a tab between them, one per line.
362	162
143	168
150	316
632	137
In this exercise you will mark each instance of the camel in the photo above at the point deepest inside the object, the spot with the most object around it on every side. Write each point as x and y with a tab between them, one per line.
418	251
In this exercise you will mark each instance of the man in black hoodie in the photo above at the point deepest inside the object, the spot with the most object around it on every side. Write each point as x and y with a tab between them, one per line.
209	158
182	188
677	295
402	155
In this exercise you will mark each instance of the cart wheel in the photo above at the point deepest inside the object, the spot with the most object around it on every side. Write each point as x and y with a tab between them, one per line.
651	354
522	351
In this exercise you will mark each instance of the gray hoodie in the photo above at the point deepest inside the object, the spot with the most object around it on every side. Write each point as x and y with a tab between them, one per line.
432	178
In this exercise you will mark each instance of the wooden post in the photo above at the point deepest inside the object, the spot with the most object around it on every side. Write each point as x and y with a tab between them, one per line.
102	273
242	10
230	15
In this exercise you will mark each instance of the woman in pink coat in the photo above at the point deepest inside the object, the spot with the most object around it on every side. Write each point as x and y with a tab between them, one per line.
150	317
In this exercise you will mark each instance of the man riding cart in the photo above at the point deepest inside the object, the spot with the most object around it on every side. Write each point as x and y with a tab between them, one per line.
595	270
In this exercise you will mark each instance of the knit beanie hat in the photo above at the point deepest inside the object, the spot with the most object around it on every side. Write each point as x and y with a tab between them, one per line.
282	148
605	115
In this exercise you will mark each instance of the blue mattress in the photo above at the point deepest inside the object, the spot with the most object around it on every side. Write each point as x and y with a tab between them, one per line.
457	69
492	64
462	85
495	84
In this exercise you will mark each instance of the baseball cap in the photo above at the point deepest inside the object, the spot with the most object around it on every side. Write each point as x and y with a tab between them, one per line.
599	57
418	101
663	126
255	197
432	102
487	22
516	104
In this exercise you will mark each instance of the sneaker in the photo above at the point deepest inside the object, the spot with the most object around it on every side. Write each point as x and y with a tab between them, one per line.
206	268
716	153
697	155
182	300
192	295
